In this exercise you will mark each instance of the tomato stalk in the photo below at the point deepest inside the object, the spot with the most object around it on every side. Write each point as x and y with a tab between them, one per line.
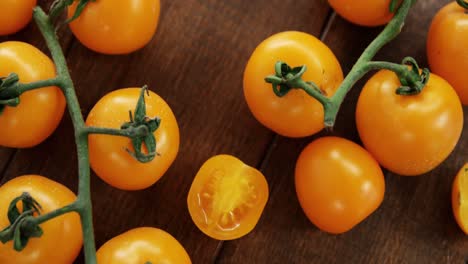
287	78
84	205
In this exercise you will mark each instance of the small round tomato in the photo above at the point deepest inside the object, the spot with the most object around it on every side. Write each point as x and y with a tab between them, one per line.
296	114
15	15
409	135
116	27
143	245
338	184
108	156
460	198
446	47
65	228
227	198
40	110
369	13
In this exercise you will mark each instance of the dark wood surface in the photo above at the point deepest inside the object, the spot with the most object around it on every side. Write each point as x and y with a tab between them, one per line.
195	62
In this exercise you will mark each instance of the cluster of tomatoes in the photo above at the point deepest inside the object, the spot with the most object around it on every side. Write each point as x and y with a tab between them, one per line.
338	182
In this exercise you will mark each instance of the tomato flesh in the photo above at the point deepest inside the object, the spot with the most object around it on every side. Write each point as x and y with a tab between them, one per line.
227	198
460	198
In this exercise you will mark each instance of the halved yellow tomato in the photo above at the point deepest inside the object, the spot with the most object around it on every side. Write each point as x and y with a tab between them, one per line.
460	198
227	197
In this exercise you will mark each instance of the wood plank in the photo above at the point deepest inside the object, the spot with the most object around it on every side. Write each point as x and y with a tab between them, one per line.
195	62
413	225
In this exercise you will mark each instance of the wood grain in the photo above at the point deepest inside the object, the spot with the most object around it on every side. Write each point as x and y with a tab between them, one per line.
196	61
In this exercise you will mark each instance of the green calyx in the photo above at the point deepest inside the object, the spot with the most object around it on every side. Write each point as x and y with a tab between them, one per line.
21	229
8	93
412	81
58	6
137	120
287	78
463	3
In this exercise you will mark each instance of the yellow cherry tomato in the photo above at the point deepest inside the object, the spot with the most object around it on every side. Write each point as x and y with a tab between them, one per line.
108	156
296	114
62	238
408	135
143	245
460	198
338	183
227	197
116	27
364	12
16	14
40	111
446	47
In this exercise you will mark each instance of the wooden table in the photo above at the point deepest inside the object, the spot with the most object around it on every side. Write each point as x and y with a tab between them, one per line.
196	62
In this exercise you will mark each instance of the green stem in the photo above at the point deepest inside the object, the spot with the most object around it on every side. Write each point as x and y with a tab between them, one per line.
362	66
130	132
21	88
84	205
24	87
58	212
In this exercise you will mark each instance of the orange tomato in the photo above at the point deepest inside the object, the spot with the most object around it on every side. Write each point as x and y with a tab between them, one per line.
116	27
227	198
65	228
363	12
446	47
409	135
108	156
16	15
143	245
296	114
338	184
460	198
40	110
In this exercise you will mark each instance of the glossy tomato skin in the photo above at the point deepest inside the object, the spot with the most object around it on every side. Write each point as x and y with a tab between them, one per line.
446	47
338	184
66	228
408	135
369	13
116	27
460	198
108	156
227	198
40	110
142	245
16	15
296	114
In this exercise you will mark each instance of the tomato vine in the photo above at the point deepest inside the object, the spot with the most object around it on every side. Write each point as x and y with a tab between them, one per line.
288	78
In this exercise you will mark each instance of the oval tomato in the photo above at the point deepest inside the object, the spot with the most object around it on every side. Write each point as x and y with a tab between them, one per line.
460	198
108	156
16	15
227	198
296	114
40	110
116	27
364	12
143	245
409	135
66	228
338	184
448	39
